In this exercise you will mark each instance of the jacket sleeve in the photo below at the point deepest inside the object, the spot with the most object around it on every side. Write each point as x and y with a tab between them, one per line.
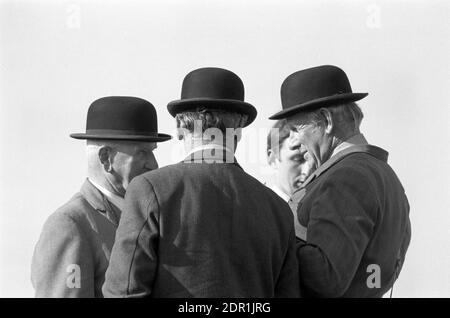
62	264
341	221
133	260
288	285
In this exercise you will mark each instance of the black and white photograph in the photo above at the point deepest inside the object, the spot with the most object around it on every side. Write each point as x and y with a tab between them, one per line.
240	149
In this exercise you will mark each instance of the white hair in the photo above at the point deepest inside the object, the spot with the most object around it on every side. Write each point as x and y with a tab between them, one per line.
346	117
210	119
93	146
211	126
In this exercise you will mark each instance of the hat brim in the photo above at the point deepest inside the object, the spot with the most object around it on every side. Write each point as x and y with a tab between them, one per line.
320	102
182	105
159	138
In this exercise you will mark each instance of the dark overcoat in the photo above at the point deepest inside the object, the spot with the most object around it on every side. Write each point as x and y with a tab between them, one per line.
72	254
358	229
202	229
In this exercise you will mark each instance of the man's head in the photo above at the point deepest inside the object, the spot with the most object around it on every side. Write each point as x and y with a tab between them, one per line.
212	108
121	134
207	126
289	163
319	105
116	163
320	131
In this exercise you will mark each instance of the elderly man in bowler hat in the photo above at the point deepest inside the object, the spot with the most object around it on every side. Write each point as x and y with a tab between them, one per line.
72	254
353	207
203	227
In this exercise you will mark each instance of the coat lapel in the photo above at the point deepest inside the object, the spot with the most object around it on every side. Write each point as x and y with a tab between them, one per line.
375	151
99	202
297	197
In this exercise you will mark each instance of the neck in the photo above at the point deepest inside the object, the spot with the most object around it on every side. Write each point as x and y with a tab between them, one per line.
191	144
107	184
335	141
285	190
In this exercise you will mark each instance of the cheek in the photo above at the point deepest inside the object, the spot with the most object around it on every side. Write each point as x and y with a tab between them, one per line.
296	169
131	165
137	164
311	138
121	161
285	173
151	162
290	168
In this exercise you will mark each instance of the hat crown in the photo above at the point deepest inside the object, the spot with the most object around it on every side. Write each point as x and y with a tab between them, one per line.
212	83
215	89
321	86
314	83
122	113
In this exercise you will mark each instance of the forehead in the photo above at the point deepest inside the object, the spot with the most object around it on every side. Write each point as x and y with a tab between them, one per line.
299	119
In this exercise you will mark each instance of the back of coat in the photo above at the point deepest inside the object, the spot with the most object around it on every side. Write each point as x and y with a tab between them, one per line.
215	232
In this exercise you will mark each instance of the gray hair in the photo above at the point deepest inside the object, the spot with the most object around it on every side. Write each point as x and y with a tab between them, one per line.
346	117
210	119
279	132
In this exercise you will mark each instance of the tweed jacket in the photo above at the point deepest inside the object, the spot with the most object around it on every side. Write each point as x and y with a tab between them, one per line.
72	254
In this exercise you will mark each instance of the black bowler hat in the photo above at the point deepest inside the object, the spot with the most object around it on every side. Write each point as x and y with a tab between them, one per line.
316	87
213	88
122	118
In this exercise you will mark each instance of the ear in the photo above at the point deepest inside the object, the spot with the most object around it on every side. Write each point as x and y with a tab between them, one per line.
243	121
237	134
272	159
104	155
329	124
182	133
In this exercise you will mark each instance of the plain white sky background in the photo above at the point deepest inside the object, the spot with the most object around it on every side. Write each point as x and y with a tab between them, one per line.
56	57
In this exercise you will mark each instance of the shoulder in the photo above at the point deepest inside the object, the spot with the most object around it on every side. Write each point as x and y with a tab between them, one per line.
70	217
355	168
186	173
263	190
145	183
277	201
167	174
65	235
349	181
266	196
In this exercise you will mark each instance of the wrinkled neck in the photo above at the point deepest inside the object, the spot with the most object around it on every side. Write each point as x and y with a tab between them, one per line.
107	181
190	144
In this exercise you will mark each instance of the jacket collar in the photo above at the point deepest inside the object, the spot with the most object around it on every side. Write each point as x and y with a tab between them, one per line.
99	202
211	155
374	151
118	201
281	193
209	147
356	140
